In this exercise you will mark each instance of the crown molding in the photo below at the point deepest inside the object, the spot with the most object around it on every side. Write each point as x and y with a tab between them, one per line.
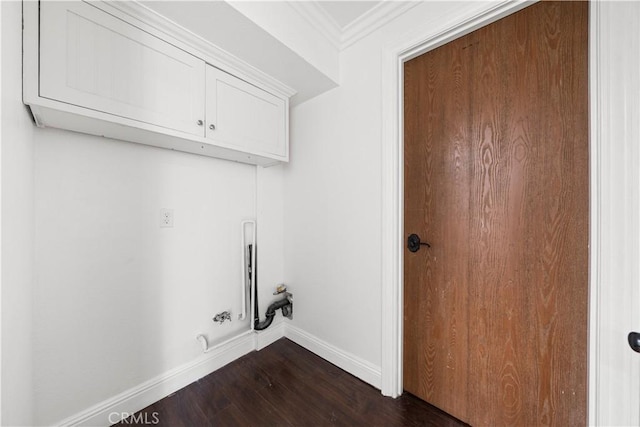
319	19
376	17
379	15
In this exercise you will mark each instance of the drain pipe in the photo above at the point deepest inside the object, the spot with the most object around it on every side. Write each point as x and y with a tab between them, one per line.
286	304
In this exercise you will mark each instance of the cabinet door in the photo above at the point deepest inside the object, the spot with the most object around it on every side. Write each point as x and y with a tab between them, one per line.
95	60
243	116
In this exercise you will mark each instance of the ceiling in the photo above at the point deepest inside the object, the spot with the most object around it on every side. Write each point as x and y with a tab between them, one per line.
345	12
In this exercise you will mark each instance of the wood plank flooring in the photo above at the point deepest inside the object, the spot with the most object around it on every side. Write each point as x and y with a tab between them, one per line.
286	385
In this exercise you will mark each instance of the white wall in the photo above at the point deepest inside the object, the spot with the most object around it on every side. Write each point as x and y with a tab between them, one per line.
332	217
270	236
118	299
17	229
333	195
96	297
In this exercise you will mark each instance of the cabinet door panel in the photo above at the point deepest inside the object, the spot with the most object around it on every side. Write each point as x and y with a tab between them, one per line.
95	60
244	116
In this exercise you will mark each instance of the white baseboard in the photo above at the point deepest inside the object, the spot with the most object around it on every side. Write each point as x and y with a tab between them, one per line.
360	368
269	336
112	410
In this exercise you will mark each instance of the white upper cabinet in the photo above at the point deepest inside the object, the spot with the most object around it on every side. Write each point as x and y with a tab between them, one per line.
92	59
241	114
93	67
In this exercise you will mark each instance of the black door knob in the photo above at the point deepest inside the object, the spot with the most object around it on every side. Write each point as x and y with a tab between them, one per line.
634	341
414	243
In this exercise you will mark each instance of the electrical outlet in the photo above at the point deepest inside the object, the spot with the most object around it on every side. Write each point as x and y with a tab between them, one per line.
166	217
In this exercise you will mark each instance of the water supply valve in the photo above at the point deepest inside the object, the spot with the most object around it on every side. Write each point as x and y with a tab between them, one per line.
287	310
221	317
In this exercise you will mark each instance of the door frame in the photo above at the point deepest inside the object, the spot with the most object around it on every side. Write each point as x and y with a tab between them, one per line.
614	58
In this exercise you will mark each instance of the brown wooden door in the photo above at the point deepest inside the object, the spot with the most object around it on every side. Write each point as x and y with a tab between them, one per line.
497	182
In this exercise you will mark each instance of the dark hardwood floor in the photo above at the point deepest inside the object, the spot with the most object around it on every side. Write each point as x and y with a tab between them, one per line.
286	385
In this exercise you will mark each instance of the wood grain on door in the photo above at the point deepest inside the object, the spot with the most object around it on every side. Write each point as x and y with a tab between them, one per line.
497	181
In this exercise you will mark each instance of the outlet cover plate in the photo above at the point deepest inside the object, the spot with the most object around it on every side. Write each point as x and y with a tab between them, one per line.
166	218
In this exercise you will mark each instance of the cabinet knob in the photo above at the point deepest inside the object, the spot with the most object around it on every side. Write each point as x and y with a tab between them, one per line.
200	122
212	126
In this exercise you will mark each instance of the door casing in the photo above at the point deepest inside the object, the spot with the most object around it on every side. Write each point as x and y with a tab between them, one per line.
606	160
